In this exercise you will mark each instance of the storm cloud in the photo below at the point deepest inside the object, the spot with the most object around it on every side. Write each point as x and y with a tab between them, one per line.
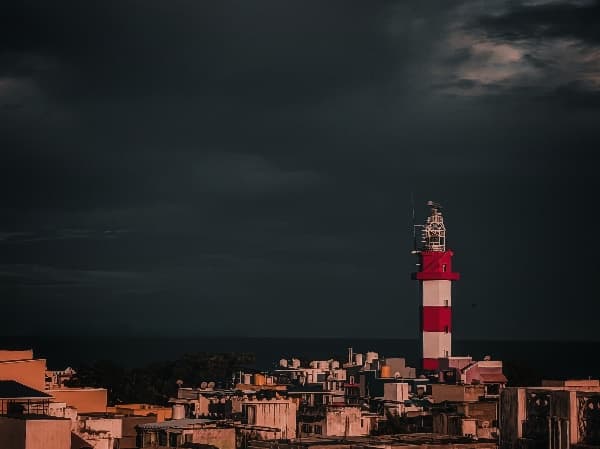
256	160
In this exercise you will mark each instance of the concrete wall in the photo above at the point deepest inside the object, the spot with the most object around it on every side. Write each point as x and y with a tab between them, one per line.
221	438
395	391
278	413
12	433
161	413
90	424
456	393
19	433
512	415
48	434
85	400
345	421
30	372
129	433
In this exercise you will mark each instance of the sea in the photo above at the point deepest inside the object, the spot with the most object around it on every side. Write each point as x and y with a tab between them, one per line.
527	360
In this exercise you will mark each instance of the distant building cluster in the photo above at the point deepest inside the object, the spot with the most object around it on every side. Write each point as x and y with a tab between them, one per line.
367	401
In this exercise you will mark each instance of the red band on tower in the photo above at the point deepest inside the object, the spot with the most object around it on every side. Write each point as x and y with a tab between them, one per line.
436	319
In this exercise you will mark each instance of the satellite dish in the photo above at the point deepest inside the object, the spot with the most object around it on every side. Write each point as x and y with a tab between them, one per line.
487	357
203	385
211	384
179	382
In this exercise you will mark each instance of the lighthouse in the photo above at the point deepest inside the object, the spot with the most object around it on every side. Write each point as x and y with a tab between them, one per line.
435	276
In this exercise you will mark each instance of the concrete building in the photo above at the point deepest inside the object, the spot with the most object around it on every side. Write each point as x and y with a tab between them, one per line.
20	366
457	393
101	431
477	419
85	400
399	369
110	430
557	415
206	403
277	416
34	432
57	378
333	420
159	412
178	432
395	397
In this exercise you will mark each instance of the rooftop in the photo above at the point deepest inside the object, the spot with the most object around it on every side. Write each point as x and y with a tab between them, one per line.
178	424
10	389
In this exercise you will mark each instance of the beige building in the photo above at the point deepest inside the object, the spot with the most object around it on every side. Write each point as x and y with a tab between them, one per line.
161	413
177	432
35	432
333	421
277	416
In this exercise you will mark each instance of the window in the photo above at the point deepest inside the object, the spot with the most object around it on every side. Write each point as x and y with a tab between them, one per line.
444	267
306	428
318	429
446	330
251	414
446	302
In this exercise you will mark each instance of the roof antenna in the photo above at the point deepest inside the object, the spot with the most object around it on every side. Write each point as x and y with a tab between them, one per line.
412	204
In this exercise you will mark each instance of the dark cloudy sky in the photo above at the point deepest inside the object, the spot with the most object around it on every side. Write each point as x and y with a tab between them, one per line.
246	167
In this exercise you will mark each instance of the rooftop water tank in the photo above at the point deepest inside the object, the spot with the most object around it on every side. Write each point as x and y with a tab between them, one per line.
385	371
358	358
178	411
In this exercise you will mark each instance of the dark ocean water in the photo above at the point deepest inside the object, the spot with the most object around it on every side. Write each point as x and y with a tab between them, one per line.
527	359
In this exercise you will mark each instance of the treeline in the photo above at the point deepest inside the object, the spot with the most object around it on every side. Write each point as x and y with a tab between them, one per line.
157	382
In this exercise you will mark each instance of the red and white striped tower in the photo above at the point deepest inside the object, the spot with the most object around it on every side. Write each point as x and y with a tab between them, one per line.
435	276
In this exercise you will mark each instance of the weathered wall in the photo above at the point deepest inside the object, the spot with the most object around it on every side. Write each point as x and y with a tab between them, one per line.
161	413
129	433
221	438
456	393
512	415
113	426
345	421
278	413
48	434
